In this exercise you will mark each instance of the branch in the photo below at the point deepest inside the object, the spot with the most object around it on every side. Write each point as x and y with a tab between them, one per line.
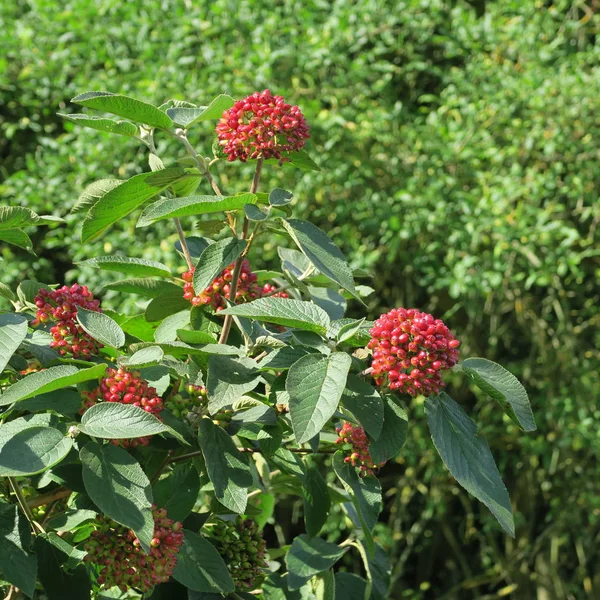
44	499
14	484
184	246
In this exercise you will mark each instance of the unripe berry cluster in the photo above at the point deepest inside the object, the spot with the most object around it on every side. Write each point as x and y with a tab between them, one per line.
215	294
61	306
261	126
356	448
410	350
122	561
126	387
33	366
242	548
190	405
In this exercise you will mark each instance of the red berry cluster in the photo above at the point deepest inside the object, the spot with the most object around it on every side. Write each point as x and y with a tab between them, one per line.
356	447
122	562
214	295
410	350
261	126
120	385
61	306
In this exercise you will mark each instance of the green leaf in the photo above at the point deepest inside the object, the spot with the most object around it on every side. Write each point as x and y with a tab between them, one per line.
283	358
349	330
28	290
200	567
467	456
15	217
71	519
178	492
279	197
254	213
300	160
53	378
13	330
365	493
118	486
309	556
125	198
126	107
65	402
214	259
226	466
116	421
504	387
393	434
284	311
92	193
349	586
324	585
365	403
184	115
317	501
316	245
331	301
228	379
101	327
145	357
27	448
101	124
59	583
138	267
168	208
315	384
146	287
7	293
359	339
18	566
167	330
196	337
215	109
166	304
16	237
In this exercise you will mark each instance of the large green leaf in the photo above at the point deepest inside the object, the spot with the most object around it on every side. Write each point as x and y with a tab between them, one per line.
309	556
53	378
467	456
283	358
226	466
393	433
92	193
228	379
215	109
16	237
188	206
214	259
15	217
365	403
124	106
101	327
315	384
146	357
178	492
27	447
503	386
316	245
118	486
284	311
116	421
317	501
145	286
200	567
101	124
13	330
138	267
166	304
119	201
18	566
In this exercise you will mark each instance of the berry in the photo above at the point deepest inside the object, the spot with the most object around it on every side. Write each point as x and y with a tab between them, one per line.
191	405
126	387
410	350
261	126
60	306
116	551
242	548
33	366
356	448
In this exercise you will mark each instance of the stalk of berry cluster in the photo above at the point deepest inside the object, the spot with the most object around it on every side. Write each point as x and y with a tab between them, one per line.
238	263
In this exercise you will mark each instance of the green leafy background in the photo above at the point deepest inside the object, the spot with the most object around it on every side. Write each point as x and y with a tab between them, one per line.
459	146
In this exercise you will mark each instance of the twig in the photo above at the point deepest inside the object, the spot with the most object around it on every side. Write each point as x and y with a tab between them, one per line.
256	451
184	246
161	468
49	497
14	484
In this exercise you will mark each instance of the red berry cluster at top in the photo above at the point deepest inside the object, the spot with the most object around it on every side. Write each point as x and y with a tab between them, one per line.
261	126
61	306
214	295
122	561
410	350
356	447
120	385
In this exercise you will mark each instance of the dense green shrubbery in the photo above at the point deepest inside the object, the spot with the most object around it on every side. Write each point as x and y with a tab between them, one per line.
467	142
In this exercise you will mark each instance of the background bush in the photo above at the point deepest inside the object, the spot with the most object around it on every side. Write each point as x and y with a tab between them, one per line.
459	144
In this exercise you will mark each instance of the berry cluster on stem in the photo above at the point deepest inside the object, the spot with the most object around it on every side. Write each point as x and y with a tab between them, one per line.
261	126
356	448
60	306
122	562
410	350
126	387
